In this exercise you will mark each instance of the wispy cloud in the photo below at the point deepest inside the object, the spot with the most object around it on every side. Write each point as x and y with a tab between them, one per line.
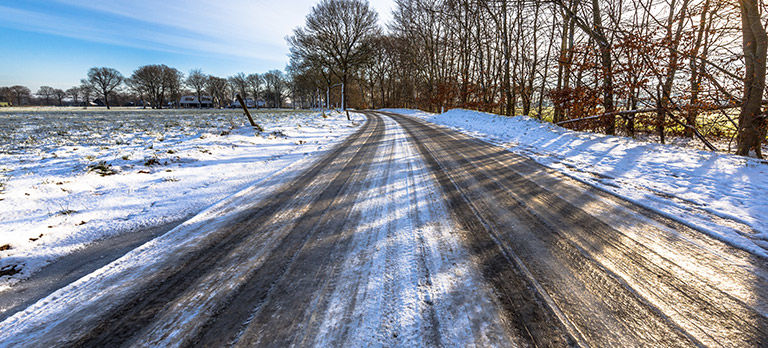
246	28
238	27
231	21
237	33
243	28
114	33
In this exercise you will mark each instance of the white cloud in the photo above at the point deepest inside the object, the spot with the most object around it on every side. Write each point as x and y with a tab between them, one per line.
248	28
223	37
252	21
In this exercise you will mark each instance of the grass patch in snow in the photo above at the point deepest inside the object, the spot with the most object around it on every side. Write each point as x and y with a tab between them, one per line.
152	161
102	168
67	212
10	270
277	134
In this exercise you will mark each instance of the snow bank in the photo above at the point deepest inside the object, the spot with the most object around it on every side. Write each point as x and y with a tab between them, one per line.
409	112
161	166
723	195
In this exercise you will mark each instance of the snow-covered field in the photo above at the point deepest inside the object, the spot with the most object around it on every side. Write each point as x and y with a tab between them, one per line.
70	177
724	195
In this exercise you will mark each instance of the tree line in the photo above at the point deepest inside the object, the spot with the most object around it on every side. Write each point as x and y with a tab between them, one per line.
692	68
157	86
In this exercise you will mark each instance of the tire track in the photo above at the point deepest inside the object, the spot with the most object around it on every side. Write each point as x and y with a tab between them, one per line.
406	281
355	251
588	253
135	313
411	234
275	317
525	309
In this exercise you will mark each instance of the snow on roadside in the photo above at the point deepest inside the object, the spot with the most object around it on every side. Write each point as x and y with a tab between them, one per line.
54	200
726	196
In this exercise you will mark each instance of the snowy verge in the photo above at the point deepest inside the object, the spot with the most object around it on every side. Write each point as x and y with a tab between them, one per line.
55	201
104	288
723	195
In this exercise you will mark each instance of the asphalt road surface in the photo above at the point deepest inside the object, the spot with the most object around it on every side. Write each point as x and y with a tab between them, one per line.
411	234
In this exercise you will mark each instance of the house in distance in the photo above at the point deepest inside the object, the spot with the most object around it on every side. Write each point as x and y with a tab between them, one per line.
249	103
190	101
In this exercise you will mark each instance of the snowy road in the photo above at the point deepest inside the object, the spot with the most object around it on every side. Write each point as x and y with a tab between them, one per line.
410	234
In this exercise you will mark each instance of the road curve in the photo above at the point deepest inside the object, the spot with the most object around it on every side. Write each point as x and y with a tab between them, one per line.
413	234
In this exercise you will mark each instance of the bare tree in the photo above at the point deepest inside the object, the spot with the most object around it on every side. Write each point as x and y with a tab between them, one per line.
697	68
752	120
652	63
136	86
672	38
86	90
46	93
239	83
74	93
19	94
596	31
60	95
338	34
276	87
159	81
306	82
105	80
254	84
196	80
173	82
148	80
218	88
5	94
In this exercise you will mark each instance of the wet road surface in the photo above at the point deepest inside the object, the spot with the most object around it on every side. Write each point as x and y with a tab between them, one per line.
413	234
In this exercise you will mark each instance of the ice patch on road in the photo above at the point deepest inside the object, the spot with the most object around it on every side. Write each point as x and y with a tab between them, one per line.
408	280
724	195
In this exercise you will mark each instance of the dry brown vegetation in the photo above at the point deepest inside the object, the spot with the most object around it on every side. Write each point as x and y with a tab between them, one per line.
693	68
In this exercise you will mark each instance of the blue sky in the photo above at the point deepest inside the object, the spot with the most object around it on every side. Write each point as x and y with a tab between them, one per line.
54	42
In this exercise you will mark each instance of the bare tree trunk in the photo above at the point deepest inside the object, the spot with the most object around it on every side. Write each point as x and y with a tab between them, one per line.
632	106
105	93
344	95
516	62
546	66
528	85
607	65
561	64
507	57
695	80
571	50
666	88
752	123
